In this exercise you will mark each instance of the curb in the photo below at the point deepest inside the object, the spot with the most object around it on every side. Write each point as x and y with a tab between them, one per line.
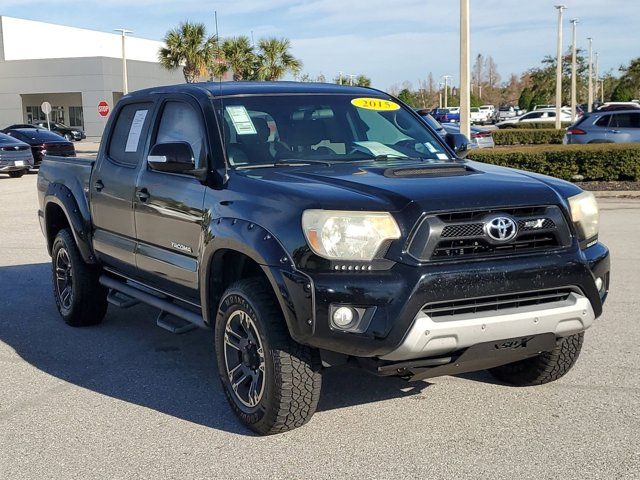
616	193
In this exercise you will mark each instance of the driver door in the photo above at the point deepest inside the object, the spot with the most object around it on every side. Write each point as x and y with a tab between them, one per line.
169	207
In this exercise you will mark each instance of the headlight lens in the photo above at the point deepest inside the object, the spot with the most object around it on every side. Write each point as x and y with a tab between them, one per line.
342	235
585	215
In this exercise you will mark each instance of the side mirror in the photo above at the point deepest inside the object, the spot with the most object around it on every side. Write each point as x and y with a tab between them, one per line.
459	143
173	157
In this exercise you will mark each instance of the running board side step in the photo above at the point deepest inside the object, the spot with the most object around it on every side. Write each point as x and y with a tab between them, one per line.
121	300
164	305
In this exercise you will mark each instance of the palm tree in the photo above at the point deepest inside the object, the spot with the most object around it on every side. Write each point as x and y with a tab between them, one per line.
236	54
188	47
275	60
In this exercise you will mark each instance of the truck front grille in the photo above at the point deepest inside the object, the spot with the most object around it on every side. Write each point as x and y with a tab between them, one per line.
496	302
463	234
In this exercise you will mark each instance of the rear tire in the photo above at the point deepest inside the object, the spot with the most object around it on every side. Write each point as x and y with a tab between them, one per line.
544	368
271	382
80	298
17	174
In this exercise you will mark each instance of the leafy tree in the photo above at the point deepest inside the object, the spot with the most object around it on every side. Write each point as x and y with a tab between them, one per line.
189	47
524	102
275	59
406	96
628	87
236	54
363	81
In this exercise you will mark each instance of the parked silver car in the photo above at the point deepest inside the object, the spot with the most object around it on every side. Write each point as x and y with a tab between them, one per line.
621	126
15	156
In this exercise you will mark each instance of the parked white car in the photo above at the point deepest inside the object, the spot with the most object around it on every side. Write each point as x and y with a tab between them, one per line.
535	116
479	116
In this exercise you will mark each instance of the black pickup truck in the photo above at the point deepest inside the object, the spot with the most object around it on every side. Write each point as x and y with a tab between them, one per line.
314	225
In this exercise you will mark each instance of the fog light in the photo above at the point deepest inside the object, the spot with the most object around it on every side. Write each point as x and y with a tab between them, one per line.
343	316
599	284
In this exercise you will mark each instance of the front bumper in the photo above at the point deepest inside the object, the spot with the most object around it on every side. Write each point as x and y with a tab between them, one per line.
400	293
433	336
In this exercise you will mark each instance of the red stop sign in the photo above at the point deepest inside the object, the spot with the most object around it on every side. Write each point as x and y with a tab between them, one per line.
103	109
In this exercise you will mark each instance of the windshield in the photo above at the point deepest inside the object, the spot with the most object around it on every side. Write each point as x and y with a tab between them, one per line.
264	130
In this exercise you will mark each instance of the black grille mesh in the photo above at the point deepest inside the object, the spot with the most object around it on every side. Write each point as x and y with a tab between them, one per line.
496	302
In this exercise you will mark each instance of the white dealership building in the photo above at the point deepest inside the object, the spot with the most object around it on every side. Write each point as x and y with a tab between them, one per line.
71	68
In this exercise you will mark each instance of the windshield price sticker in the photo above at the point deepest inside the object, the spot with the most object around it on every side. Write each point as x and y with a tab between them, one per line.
377	148
375	104
241	120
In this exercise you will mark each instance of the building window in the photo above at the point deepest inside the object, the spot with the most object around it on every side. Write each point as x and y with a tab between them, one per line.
75	117
35	113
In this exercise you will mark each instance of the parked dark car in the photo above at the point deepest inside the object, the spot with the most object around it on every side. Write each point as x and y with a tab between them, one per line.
315	225
42	142
15	156
70	133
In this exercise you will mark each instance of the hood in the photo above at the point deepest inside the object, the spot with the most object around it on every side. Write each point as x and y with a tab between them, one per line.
430	187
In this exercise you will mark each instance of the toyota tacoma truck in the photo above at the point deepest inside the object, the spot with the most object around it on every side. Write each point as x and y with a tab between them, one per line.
316	225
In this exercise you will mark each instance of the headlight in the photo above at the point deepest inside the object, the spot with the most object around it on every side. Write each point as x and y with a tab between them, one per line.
342	235
585	216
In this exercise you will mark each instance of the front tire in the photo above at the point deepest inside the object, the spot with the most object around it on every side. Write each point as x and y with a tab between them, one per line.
544	368
271	382
80	299
17	174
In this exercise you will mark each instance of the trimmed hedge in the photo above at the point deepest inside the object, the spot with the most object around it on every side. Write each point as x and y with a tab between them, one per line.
536	125
608	162
529	136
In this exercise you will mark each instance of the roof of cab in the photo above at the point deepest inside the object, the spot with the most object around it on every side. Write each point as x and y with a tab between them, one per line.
255	88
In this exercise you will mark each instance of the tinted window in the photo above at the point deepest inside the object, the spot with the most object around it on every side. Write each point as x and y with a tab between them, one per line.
129	133
625	120
603	121
180	122
532	115
262	129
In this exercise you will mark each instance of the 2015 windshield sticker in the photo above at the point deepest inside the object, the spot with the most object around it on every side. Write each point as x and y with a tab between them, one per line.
241	120
375	104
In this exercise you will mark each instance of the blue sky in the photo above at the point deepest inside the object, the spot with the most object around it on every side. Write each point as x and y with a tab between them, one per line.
389	40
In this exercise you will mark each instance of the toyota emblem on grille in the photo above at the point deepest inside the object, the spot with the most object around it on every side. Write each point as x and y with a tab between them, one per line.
501	229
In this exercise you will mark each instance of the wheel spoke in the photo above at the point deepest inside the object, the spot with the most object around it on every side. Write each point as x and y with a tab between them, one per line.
65	295
60	273
232	342
254	391
233	371
239	382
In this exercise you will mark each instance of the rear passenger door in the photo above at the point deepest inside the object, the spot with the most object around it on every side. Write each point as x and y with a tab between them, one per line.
169	206
113	183
624	127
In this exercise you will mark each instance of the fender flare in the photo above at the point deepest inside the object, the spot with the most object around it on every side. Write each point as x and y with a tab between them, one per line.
63	197
292	288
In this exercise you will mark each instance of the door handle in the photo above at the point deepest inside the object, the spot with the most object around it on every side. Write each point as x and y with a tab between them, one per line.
614	131
98	185
143	194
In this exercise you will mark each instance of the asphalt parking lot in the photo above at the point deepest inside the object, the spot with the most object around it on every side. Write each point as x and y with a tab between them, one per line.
129	400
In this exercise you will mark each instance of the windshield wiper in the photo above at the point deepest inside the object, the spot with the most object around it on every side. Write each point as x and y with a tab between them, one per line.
385	158
285	162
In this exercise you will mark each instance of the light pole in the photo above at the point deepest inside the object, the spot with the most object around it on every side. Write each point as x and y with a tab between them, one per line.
465	94
446	79
597	76
574	22
560	9
440	94
125	83
590	94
